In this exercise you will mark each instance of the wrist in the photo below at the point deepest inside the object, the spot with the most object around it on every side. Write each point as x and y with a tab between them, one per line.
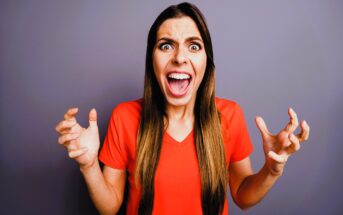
87	167
272	172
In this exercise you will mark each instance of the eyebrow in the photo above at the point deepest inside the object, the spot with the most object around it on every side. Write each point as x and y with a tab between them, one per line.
187	39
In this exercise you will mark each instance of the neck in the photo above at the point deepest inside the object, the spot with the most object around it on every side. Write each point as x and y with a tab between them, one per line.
181	113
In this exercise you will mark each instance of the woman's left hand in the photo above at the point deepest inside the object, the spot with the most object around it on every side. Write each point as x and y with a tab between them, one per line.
279	147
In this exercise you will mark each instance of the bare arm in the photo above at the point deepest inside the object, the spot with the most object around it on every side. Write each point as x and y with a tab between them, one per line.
247	188
106	188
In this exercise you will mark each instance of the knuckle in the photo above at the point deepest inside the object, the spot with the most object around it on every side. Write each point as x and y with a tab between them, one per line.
60	140
296	140
70	154
73	129
62	124
58	126
69	136
66	124
71	148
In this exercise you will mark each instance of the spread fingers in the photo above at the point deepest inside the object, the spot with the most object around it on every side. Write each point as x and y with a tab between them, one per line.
77	152
65	125
71	113
276	157
67	137
293	121
305	131
295	146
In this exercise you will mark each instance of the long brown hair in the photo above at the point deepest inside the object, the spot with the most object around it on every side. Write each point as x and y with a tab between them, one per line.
207	128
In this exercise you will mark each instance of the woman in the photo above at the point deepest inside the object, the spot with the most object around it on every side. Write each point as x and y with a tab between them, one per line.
179	146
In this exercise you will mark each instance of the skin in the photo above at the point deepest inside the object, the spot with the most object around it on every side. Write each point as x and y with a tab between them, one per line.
179	47
178	52
106	187
247	188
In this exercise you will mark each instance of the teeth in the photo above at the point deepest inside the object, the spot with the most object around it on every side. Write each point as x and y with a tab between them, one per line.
179	76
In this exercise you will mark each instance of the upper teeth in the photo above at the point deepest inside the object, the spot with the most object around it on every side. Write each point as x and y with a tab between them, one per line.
178	76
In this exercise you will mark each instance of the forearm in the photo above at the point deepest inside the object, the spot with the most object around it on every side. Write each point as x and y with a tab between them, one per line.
104	199
255	187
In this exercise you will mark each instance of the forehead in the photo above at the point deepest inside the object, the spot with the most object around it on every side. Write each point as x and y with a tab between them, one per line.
181	27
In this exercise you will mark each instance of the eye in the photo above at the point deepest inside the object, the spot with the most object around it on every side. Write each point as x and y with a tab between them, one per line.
165	47
194	47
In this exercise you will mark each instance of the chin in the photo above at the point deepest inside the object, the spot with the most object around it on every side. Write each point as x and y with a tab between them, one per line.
177	102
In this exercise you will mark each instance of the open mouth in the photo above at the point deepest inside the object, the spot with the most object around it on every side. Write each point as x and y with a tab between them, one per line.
178	83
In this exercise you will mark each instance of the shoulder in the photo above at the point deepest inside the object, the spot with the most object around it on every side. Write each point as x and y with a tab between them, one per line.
129	107
231	113
128	111
226	107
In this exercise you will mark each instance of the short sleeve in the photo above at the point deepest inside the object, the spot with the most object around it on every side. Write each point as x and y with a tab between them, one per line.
242	146
114	152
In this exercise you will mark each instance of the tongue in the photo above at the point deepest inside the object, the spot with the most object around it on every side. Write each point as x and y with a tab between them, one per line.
178	86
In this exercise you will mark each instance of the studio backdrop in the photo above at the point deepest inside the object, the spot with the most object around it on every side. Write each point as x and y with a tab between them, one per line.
269	55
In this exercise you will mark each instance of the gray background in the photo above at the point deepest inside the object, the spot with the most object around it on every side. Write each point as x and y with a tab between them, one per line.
269	55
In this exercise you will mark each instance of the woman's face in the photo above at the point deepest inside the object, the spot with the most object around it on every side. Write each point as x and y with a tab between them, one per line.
179	60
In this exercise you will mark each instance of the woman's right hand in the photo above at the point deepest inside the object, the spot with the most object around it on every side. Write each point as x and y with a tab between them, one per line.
82	143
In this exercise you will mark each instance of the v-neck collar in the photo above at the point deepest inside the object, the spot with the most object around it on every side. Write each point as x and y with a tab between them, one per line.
170	139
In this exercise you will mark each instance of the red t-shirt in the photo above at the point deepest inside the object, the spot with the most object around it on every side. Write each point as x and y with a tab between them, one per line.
177	179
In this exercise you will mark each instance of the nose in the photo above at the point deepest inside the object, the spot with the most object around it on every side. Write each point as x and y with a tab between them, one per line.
180	56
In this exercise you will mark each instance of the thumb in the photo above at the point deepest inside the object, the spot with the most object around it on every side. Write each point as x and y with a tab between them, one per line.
93	118
261	125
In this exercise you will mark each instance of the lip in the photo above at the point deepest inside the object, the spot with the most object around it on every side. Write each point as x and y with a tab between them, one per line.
180	72
170	92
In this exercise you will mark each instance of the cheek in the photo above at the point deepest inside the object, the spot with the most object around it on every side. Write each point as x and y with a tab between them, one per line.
160	62
199	63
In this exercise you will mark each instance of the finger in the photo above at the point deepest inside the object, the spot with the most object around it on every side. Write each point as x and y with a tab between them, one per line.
276	157
305	132
65	124
293	122
66	131
71	146
67	137
76	129
295	146
71	113
262	127
93	118
77	152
